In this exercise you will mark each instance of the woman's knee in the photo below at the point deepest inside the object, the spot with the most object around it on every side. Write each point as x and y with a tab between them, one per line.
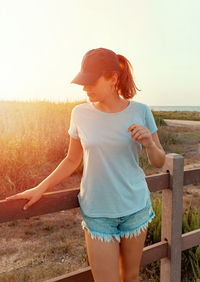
134	277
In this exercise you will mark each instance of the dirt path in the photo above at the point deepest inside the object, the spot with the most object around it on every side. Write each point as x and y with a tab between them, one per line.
179	122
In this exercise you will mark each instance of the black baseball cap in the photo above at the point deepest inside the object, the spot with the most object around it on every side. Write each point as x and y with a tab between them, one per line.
94	63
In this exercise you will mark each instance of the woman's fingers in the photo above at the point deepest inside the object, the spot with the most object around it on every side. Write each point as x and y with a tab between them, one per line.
138	135
20	196
137	132
33	195
131	127
28	204
14	197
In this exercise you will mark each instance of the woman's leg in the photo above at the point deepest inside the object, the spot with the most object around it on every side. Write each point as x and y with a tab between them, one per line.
103	258
130	256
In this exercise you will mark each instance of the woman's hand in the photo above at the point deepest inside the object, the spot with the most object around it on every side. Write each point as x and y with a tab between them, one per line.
33	195
141	134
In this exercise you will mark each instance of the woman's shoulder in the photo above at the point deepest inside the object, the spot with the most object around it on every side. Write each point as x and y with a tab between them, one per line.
140	105
81	108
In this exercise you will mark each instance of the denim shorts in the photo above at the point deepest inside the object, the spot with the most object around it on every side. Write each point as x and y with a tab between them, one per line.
104	228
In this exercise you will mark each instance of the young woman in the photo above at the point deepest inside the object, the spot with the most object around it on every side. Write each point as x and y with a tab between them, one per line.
108	132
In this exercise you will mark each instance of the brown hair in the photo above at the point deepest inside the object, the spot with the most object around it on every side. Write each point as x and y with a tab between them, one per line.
125	85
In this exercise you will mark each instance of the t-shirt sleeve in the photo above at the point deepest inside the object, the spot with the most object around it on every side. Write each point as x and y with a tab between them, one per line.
150	121
73	131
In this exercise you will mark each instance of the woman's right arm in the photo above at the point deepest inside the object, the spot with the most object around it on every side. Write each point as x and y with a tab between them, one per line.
67	166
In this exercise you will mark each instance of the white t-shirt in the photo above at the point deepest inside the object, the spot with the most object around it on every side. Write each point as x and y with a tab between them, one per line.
113	184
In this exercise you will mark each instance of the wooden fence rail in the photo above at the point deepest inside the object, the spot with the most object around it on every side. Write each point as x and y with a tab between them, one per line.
173	242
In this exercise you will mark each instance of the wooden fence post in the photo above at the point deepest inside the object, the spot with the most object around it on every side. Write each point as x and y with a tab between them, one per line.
170	267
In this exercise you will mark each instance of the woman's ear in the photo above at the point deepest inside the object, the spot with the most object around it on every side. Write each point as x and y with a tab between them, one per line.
114	79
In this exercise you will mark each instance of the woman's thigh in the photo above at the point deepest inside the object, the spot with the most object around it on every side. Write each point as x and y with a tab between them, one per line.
103	258
130	256
133	234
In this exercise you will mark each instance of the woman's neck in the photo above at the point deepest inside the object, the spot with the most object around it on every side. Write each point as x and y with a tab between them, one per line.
112	106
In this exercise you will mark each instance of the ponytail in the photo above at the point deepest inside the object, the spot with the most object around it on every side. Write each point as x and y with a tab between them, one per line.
125	85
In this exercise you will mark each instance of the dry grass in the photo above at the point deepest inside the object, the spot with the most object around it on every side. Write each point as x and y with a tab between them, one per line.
32	135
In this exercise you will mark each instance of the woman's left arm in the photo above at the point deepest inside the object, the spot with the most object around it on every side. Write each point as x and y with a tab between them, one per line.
154	150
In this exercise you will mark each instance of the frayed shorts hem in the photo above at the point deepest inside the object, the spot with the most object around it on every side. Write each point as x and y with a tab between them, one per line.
108	237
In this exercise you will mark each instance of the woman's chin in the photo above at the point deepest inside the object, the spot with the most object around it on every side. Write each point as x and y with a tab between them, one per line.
91	98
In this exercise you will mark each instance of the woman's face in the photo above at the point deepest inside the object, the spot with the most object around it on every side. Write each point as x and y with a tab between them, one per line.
101	89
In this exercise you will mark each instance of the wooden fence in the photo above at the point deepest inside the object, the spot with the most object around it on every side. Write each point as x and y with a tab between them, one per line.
173	242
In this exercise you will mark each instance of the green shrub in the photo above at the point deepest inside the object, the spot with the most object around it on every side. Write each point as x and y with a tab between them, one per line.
191	257
190	267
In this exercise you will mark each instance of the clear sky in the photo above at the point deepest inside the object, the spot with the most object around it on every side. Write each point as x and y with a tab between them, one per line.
42	43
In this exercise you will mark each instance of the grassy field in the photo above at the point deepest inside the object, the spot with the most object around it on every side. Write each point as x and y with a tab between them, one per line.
34	134
179	115
33	141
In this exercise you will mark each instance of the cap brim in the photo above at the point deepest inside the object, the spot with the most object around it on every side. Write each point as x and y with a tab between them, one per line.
85	78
